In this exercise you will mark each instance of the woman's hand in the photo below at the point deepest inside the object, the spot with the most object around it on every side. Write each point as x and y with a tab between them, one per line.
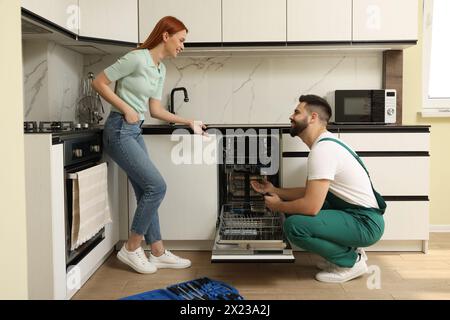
131	116
197	127
262	186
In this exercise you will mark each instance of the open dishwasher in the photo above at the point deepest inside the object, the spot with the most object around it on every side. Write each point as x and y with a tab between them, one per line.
246	230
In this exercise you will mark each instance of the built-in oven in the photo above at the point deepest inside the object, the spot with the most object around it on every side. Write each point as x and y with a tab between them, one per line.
81	151
246	230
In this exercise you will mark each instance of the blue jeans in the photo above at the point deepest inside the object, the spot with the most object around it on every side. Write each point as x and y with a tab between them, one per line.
123	142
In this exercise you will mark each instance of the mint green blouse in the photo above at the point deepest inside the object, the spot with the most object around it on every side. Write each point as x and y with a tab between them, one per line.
139	79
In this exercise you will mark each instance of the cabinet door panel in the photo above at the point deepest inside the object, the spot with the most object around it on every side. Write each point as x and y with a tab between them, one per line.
294	172
319	20
254	20
399	176
391	176
406	220
109	19
387	141
203	18
64	13
190	207
381	20
293	144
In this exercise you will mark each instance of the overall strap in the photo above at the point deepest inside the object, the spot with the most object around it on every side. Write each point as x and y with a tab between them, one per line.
378	197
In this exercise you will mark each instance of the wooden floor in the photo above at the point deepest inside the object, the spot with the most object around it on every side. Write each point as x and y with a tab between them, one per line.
403	276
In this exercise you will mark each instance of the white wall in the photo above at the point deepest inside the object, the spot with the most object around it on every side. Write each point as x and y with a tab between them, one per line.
13	266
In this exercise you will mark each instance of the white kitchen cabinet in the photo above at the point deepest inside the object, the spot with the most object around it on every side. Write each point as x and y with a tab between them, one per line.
48	277
387	141
385	20
293	144
254	20
109	19
190	208
294	172
391	176
203	18
406	220
399	176
398	163
64	13
319	20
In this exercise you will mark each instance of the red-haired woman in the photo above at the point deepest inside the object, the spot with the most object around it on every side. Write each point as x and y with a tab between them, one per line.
140	77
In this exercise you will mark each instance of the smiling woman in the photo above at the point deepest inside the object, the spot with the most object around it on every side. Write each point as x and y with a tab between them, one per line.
139	77
175	30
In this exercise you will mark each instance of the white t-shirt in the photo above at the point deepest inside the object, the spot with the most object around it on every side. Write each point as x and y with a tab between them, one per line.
348	179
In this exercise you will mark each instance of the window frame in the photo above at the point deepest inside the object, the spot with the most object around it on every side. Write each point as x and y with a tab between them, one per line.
432	107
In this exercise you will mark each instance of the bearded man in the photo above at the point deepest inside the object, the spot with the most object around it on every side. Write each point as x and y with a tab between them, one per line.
338	211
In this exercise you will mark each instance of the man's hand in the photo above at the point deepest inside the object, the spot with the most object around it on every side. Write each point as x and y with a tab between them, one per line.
272	201
262	187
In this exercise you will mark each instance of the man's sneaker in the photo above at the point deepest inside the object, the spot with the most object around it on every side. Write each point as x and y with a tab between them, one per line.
340	274
169	260
325	265
362	253
136	260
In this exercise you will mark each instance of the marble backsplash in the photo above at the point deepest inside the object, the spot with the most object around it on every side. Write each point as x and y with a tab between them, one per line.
230	88
52	77
256	89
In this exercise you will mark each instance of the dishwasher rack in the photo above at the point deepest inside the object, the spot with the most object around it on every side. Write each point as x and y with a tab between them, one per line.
241	225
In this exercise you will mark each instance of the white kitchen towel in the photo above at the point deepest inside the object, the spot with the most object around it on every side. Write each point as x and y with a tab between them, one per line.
90	205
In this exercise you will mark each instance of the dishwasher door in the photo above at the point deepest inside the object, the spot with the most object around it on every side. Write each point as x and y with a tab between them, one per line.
249	232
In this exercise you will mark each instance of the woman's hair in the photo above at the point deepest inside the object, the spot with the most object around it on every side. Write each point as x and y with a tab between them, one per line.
167	24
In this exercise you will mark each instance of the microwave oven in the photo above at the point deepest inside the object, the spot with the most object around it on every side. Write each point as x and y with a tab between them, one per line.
365	106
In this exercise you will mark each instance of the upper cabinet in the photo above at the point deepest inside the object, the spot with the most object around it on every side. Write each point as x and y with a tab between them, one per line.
109	19
63	13
385	20
254	20
319	20
201	17
240	22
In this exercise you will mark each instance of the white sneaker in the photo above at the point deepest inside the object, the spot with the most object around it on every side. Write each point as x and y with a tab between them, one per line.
136	260
169	260
325	265
362	253
340	274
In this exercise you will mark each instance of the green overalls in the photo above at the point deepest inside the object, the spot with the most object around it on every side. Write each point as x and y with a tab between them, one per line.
339	227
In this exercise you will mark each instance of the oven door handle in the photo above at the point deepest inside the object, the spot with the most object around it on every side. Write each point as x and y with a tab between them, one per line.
72	176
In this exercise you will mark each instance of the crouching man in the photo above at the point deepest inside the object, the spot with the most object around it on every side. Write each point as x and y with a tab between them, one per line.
338	211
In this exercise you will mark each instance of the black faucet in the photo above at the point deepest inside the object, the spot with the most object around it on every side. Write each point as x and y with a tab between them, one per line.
172	93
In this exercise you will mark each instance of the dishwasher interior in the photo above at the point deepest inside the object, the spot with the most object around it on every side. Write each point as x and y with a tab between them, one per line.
247	231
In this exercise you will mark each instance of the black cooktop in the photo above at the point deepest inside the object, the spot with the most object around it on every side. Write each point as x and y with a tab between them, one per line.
59	127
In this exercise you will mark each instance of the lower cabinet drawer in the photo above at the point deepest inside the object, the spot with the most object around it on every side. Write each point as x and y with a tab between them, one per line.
387	141
391	176
399	176
406	220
